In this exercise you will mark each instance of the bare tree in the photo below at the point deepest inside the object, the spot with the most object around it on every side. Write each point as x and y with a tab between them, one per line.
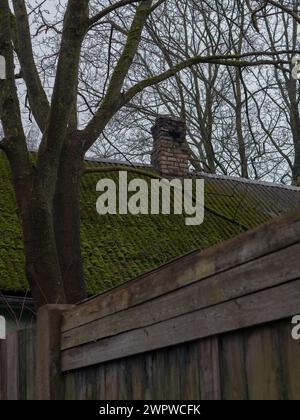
238	122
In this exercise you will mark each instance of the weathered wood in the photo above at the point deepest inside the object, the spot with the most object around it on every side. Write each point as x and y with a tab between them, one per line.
276	235
12	360
70	387
289	350
232	363
100	383
263	368
23	366
258	308
191	383
268	271
49	380
30	335
210	379
17	366
271	371
3	370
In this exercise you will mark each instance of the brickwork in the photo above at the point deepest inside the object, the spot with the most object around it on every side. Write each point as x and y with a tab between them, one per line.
170	153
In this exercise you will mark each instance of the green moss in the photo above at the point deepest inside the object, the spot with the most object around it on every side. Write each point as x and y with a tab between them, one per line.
117	248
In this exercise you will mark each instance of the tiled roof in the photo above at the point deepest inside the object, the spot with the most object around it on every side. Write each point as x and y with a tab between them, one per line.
118	248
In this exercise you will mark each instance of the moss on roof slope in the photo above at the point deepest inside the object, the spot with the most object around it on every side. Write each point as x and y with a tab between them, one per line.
117	248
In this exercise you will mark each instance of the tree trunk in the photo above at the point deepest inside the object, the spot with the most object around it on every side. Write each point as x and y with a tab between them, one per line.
66	216
35	212
42	263
295	126
296	141
239	127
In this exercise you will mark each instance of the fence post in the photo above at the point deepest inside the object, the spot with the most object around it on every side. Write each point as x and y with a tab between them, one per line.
49	380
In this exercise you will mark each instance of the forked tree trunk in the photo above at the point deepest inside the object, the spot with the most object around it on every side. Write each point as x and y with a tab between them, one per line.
51	227
35	212
51	230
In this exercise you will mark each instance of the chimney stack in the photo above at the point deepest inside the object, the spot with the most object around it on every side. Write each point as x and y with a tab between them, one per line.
170	152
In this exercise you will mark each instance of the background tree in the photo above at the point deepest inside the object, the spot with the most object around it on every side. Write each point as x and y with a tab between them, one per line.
238	122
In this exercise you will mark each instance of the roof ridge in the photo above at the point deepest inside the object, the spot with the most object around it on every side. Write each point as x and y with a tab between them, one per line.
203	174
249	181
117	162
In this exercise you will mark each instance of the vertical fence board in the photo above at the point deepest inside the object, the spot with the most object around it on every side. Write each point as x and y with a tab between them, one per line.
190	383
263	365
31	363
3	370
13	372
210	369
233	375
290	353
70	386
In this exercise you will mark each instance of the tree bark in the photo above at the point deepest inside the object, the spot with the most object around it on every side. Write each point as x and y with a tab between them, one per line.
35	212
66	216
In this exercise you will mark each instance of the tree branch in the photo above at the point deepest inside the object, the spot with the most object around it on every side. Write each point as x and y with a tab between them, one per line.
14	142
284	9
232	61
112	100
95	19
64	92
10	110
37	97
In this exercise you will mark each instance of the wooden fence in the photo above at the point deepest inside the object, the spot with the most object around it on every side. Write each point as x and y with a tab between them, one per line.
210	325
18	366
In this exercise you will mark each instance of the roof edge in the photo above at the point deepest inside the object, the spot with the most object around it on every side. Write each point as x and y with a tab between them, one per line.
249	181
200	174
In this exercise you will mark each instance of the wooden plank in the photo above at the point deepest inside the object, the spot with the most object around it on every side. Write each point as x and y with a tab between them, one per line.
233	373
137	378
23	367
290	351
31	364
258	308
91	382
3	373
262	366
172	373
263	273
101	386
12	376
276	235
70	386
190	382
159	385
124	381
111	381
210	380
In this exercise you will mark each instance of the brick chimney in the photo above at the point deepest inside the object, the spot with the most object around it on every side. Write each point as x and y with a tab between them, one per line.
170	152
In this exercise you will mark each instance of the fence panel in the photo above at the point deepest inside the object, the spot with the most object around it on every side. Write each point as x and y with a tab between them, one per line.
261	362
18	366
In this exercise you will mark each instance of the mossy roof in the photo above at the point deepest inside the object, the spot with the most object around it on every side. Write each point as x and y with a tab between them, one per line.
118	248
